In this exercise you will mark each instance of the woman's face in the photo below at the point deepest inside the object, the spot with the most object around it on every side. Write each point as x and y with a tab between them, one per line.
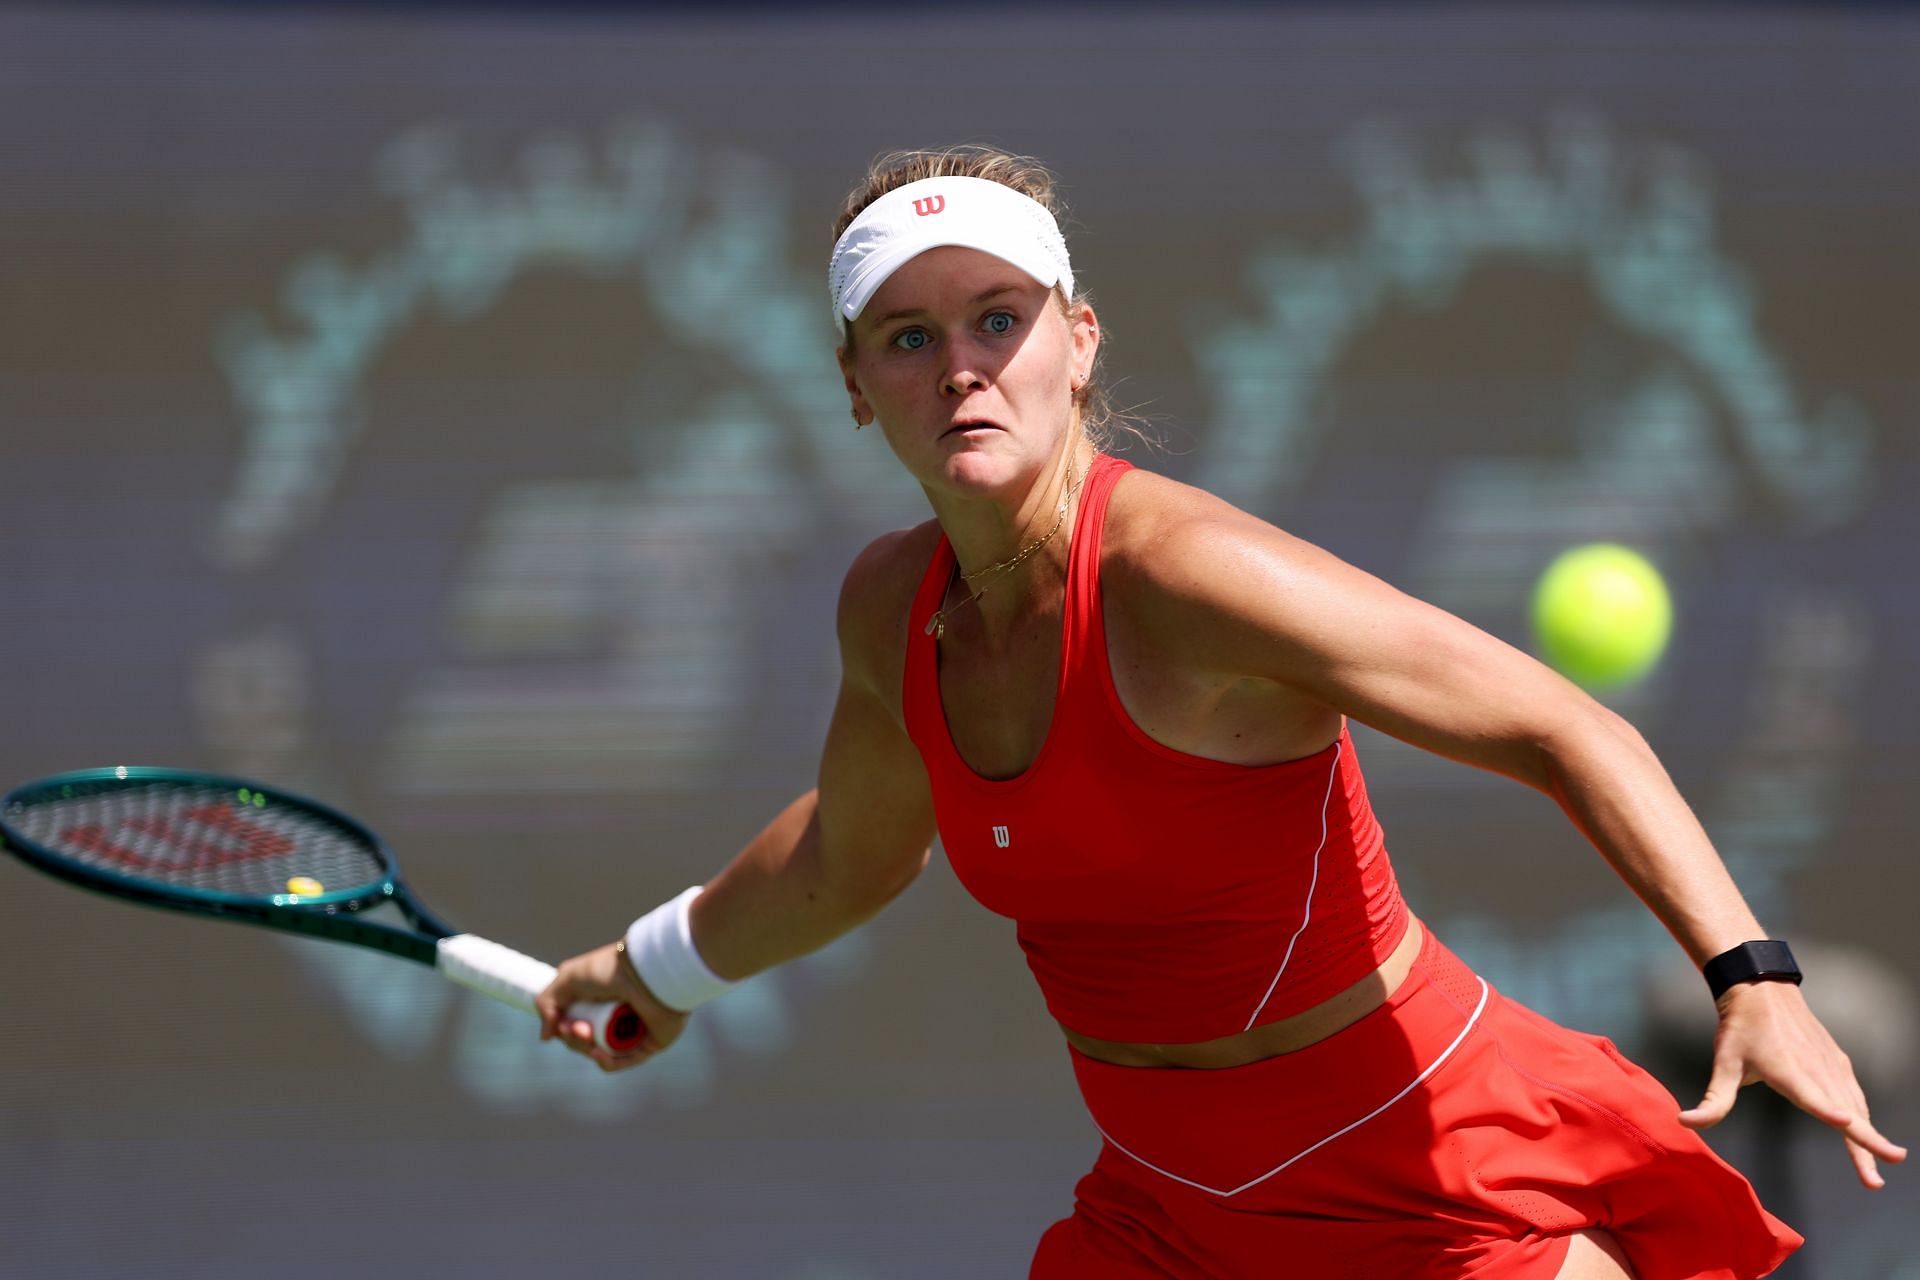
969	367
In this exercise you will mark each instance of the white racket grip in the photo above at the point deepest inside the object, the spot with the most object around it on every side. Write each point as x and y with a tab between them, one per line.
515	979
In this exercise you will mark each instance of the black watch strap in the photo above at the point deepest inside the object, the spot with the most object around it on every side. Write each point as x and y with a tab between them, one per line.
1750	962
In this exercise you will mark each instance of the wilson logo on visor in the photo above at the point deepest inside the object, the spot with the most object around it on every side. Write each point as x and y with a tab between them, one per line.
929	204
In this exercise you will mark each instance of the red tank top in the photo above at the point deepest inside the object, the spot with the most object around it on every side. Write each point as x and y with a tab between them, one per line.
1160	897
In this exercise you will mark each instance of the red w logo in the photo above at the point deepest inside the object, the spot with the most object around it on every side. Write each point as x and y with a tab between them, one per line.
218	836
929	204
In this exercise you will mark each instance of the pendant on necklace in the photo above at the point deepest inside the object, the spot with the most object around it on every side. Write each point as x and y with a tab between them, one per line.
937	625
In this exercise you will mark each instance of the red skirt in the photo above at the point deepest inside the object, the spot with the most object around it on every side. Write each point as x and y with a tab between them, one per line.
1449	1133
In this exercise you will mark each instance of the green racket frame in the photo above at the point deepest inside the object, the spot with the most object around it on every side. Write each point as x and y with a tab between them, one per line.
334	914
330	915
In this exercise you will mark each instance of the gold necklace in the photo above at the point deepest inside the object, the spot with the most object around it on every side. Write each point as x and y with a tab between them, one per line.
937	624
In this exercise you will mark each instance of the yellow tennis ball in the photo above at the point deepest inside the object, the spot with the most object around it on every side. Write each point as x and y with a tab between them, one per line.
1601	615
305	886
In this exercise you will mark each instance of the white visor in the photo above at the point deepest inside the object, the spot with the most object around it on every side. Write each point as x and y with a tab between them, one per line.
971	213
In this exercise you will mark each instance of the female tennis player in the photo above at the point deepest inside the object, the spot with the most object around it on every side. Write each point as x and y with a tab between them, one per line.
1124	706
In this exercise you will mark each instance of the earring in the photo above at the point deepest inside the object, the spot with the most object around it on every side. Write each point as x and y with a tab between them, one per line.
857	424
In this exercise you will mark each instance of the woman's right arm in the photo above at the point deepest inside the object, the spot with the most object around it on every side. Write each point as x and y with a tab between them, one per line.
829	862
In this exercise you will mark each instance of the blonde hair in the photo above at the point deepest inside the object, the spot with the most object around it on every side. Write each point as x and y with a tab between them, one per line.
1099	420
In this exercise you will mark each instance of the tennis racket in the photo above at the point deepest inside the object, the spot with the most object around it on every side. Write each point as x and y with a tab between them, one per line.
237	850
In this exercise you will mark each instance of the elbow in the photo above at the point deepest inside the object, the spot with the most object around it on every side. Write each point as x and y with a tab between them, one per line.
1591	736
864	893
909	872
1620	730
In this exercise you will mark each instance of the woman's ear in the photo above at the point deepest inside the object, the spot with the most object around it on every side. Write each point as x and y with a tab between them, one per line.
862	411
1085	328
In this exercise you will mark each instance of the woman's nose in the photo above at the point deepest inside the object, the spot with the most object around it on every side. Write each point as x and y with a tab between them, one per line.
963	373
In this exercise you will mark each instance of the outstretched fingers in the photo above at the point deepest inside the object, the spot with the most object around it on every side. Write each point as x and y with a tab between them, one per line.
1768	1033
1832	1097
1865	1144
1838	1100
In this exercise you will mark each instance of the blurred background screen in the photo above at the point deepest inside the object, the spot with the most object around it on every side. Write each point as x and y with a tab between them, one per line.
433	409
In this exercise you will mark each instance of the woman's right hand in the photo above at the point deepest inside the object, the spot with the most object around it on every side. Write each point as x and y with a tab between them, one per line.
603	974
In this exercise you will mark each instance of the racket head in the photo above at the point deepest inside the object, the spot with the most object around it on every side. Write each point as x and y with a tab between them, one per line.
228	847
197	841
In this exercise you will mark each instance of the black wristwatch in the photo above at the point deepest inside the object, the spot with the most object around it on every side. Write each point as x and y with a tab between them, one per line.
1750	962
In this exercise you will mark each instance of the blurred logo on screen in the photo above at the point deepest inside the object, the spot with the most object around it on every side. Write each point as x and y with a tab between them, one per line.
595	624
1635	225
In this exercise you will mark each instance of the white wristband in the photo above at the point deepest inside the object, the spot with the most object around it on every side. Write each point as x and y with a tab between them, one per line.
660	945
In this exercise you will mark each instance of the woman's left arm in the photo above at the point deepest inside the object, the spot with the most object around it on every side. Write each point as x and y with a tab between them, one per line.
1247	599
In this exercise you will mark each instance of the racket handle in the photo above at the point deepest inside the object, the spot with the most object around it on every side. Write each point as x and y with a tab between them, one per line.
515	979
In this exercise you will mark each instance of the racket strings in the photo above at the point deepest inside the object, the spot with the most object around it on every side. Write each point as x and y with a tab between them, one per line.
203	838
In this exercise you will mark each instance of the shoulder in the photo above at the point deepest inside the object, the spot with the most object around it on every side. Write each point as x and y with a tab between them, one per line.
1151	513
1169	544
875	599
1223	589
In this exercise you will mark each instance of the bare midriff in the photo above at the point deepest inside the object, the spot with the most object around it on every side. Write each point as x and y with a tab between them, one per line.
1283	1036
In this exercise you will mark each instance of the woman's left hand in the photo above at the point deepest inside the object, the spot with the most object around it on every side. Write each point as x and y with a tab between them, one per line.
1767	1033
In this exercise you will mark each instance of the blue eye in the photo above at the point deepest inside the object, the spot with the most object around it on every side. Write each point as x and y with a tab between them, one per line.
1000	322
911	339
